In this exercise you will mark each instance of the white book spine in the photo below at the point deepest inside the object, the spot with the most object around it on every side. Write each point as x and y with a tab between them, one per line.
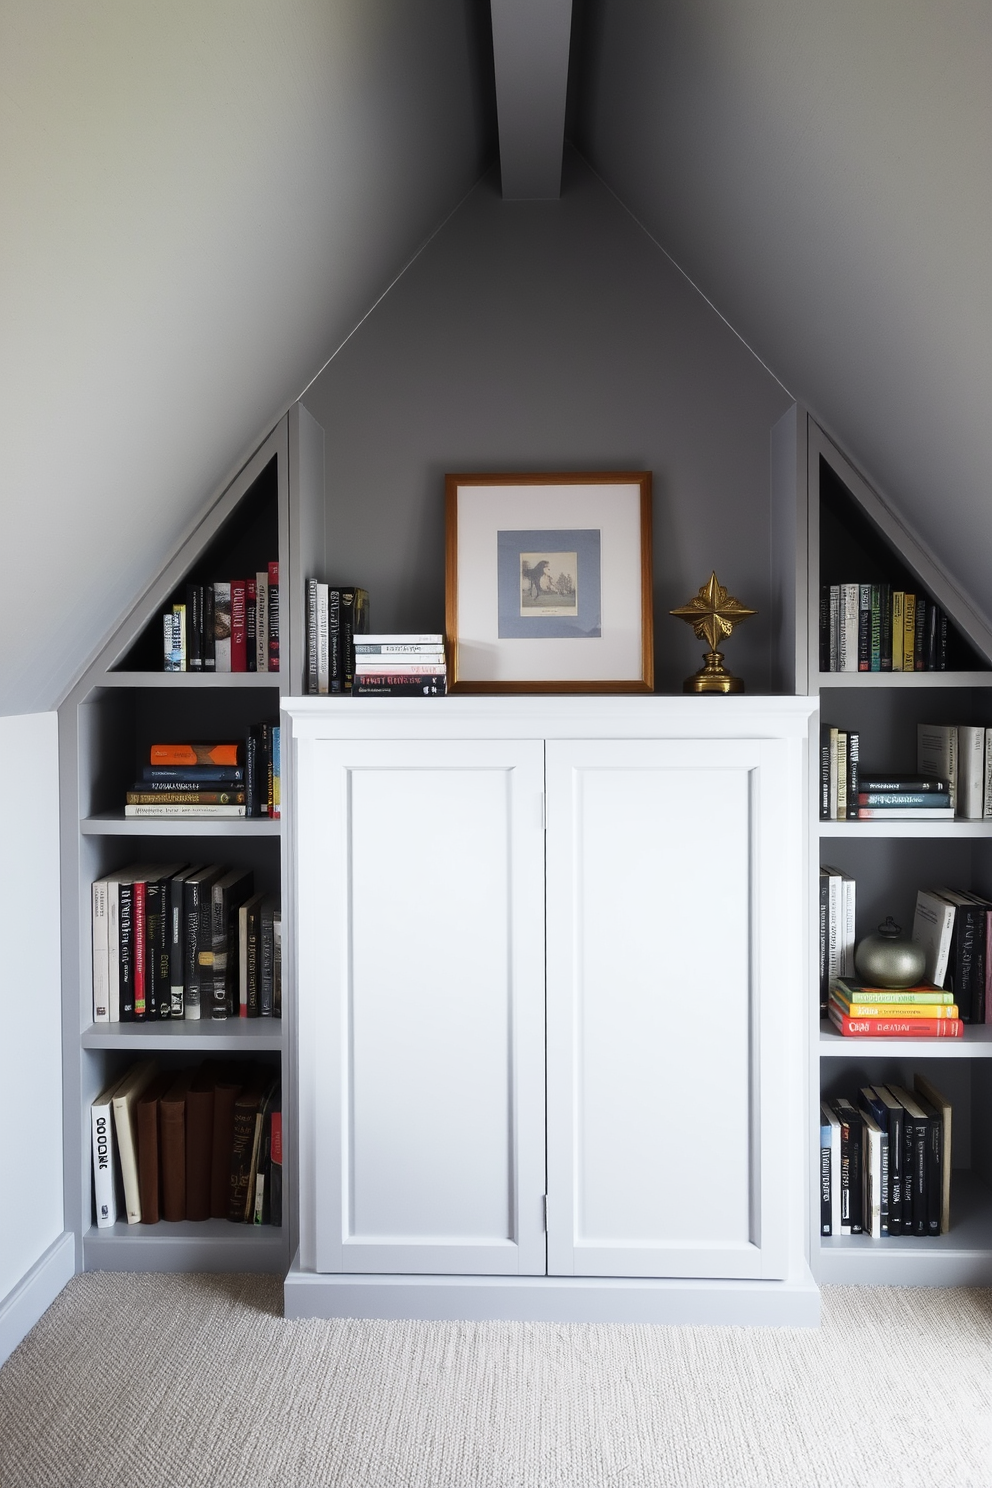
222	626
850	602
104	1184
933	924
834	918
835	634
971	771
243	961
101	968
312	688
848	896
872	1159
113	955
323	641
937	753
127	1145
987	792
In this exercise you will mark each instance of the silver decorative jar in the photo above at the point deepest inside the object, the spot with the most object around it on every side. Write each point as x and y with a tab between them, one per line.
889	959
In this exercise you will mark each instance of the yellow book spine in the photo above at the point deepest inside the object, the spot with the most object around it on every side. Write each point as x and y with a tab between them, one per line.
898	621
896	1009
909	633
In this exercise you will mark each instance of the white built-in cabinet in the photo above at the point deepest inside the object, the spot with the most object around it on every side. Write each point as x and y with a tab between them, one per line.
550	982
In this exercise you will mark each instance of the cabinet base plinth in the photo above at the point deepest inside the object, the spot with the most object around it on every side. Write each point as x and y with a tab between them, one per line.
553	1299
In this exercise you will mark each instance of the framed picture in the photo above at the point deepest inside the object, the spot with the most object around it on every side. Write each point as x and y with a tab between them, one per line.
548	582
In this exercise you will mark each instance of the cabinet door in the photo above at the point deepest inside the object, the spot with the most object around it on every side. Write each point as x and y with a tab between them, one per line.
675	874
421	935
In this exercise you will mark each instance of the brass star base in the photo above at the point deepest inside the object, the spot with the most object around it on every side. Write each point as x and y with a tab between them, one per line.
713	677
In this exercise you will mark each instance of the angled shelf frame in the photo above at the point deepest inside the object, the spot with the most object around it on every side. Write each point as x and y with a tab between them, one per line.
272	508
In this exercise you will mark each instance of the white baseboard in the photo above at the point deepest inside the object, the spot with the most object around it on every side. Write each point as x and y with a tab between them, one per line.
553	1299
35	1292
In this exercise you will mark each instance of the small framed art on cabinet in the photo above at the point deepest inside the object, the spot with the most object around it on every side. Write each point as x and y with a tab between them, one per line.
548	582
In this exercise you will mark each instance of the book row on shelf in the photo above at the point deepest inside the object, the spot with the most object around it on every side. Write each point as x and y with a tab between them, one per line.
344	657
875	628
954	929
184	941
192	1144
228	626
885	1162
218	778
953	777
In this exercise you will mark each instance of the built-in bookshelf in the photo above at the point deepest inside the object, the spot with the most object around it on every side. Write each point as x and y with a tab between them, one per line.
844	533
124	701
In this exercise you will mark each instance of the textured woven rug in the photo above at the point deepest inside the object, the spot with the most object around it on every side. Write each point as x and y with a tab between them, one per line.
134	1381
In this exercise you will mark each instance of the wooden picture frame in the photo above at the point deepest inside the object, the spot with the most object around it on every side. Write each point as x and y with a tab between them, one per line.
548	582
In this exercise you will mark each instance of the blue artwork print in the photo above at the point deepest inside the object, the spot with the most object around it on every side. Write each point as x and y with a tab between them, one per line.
549	584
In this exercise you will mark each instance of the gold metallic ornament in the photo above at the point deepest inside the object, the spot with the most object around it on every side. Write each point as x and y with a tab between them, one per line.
713	613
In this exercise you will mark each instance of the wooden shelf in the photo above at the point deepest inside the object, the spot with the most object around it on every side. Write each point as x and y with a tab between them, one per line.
209	680
904	679
962	1257
976	1044
959	828
208	1245
216	1036
115	824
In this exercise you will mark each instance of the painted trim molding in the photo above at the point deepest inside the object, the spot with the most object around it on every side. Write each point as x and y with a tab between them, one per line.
35	1292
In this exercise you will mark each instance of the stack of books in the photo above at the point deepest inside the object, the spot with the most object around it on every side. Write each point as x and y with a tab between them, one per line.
923	1011
189	1144
875	628
400	666
211	779
228	626
885	1162
175	940
904	798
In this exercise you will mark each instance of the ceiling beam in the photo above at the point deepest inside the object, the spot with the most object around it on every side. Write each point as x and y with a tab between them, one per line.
530	53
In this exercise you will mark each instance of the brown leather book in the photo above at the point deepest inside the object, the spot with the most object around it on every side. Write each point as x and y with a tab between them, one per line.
147	1113
200	1140
226	1091
172	1146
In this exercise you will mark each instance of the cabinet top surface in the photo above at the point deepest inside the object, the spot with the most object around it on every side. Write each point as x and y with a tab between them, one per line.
759	716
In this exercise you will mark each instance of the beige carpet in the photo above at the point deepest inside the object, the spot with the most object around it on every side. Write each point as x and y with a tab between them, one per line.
141	1381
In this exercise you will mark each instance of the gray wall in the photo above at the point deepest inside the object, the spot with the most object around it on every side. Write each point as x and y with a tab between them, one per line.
550	336
200	200
822	172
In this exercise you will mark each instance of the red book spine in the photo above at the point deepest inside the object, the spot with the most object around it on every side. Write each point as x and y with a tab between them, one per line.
239	655
273	617
139	935
897	1027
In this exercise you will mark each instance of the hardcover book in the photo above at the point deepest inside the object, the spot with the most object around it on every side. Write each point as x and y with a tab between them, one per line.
137	1079
104	1156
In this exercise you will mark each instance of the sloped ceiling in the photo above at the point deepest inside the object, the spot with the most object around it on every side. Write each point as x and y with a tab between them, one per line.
823	172
200	199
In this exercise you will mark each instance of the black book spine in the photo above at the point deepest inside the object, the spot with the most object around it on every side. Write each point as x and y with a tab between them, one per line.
435	686
876	628
824	772
253	802
335	663
177	942
942	644
885	659
897	1160
967	921
347	639
194	657
922	608
209	639
919	1129
852	1168
934	1166
125	925
824	627
191	978
933	632
824	943
864	628
252	978
153	930
265	769
853	760
266	968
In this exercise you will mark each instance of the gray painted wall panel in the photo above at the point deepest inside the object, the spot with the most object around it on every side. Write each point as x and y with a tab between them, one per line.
822	172
550	336
200	201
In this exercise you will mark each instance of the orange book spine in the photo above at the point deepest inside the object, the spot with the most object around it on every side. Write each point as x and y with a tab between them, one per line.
195	754
897	1027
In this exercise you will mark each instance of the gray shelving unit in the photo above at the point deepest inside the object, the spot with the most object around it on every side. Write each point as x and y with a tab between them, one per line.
273	507
889	860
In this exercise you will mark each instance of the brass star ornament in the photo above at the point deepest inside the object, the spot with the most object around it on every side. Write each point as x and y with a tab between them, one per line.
713	613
